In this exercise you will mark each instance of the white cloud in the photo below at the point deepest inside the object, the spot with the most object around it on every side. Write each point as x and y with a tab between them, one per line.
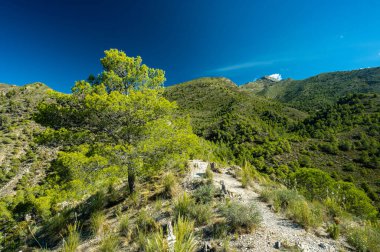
275	76
248	65
244	65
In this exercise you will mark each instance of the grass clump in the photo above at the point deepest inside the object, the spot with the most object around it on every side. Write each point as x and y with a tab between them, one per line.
334	231
124	225
241	218
186	206
184	233
209	175
365	238
72	241
170	184
146	223
201	214
183	205
97	223
156	242
110	243
295	206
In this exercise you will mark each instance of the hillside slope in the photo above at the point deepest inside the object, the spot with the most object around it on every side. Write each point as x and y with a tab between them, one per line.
320	90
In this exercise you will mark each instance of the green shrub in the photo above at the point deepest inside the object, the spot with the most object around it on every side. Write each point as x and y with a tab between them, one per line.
304	161
241	218
329	148
349	167
209	175
283	197
202	214
204	194
334	231
304	213
345	145
365	238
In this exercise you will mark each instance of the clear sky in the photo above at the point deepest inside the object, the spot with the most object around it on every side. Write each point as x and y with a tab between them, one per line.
59	42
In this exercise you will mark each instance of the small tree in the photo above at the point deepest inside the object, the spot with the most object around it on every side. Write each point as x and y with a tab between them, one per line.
124	109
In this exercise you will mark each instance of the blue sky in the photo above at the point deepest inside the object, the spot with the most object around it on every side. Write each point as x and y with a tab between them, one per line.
59	42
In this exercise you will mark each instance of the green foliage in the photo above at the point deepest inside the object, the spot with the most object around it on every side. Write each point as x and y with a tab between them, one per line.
156	242
365	238
184	233
204	194
97	223
73	238
241	218
186	206
313	183
334	231
295	207
109	243
124	228
170	185
318	91
145	222
122	73
183	205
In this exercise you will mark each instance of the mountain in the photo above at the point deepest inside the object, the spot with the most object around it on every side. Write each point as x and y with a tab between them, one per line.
317	91
207	100
310	149
340	138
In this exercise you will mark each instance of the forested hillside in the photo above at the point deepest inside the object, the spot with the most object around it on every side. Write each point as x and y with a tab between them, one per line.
106	168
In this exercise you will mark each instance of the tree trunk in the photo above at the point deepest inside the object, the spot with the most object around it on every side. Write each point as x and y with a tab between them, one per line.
131	179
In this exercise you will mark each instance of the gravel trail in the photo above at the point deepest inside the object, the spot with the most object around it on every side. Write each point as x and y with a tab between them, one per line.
274	227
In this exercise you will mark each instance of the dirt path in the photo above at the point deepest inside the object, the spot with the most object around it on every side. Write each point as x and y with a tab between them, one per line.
274	227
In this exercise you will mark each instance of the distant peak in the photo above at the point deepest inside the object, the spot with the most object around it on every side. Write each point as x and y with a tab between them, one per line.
273	77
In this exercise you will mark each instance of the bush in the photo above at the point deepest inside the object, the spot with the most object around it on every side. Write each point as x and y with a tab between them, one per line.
204	194
304	161
349	167
209	175
185	206
334	231
306	214
329	148
345	146
202	214
365	238
282	198
241	218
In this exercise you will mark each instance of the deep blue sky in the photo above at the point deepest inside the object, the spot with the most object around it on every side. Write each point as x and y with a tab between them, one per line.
58	42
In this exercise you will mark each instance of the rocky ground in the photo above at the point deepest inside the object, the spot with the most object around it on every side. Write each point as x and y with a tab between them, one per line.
276	231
